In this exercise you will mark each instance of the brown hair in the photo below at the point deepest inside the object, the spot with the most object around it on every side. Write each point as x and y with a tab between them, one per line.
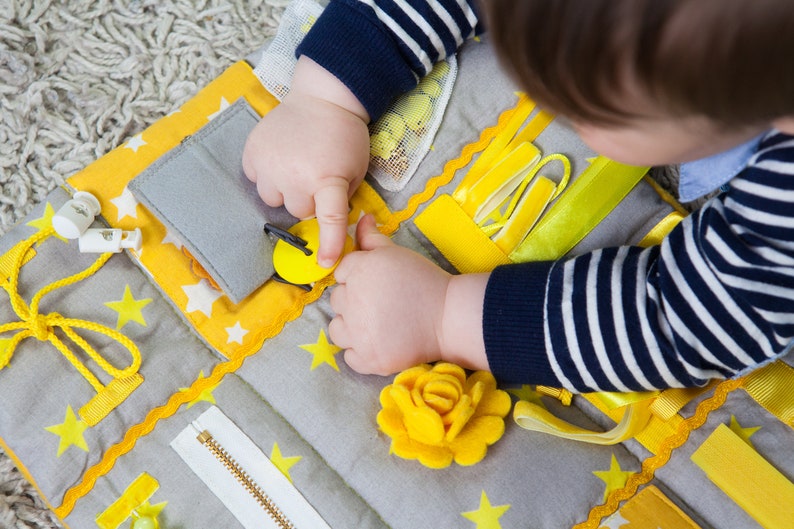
729	60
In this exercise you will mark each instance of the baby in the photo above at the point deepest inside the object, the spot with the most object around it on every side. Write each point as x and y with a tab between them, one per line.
705	83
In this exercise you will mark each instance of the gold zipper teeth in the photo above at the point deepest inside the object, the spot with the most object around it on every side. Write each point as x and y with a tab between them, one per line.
206	439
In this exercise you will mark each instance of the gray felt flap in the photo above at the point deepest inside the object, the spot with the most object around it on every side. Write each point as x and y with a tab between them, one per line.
199	192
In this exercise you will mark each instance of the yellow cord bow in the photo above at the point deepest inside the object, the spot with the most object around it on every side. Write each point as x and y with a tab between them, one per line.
34	324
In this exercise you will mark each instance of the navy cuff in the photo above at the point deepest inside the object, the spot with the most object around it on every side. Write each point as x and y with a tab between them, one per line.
348	41
513	324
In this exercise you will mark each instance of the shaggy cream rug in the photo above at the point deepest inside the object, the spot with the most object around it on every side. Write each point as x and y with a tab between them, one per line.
78	78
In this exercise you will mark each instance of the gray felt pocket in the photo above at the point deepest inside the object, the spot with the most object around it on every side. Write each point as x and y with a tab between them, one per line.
199	192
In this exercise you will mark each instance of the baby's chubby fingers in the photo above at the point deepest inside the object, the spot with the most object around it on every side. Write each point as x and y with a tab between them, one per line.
331	209
337	331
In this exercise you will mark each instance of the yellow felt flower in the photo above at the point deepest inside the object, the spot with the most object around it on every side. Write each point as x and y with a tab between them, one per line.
436	414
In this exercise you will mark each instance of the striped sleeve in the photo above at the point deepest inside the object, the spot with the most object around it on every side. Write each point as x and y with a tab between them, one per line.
380	48
713	300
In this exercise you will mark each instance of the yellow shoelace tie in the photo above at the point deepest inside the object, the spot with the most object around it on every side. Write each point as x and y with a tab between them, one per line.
42	327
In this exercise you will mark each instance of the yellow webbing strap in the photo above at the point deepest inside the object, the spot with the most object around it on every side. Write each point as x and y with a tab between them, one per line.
41	326
747	478
456	236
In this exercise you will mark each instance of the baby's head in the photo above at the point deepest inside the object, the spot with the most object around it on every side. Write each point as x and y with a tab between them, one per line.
653	81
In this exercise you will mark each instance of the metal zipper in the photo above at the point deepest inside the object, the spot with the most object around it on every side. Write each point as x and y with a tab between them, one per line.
206	439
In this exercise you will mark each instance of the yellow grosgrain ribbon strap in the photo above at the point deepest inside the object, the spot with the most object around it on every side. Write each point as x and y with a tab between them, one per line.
772	386
588	199
139	492
458	239
532	417
747	478
41	326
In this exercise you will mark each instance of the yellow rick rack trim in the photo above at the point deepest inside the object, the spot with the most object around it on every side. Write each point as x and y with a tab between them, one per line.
178	399
666	448
40	326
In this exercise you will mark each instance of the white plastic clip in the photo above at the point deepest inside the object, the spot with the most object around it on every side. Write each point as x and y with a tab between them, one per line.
101	240
74	217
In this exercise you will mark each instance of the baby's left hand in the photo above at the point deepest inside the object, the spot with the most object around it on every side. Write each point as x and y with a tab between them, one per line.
389	305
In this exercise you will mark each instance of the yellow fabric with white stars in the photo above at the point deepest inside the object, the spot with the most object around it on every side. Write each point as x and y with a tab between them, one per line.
225	325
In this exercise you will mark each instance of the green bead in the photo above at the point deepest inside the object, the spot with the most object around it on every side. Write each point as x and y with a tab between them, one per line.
145	522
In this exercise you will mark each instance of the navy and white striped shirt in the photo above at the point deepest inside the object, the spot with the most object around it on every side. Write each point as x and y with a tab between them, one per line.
714	299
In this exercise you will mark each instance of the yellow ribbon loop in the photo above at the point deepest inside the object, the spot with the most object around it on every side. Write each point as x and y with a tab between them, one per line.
532	417
42	327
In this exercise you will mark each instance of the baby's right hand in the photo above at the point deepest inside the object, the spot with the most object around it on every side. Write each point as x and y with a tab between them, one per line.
310	153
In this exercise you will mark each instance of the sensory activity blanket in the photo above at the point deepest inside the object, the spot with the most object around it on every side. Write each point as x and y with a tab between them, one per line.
165	360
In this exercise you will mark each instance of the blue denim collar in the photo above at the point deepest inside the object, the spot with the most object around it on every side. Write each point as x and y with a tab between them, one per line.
700	177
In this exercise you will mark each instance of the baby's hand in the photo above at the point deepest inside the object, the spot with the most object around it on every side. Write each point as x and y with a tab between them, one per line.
310	153
389	305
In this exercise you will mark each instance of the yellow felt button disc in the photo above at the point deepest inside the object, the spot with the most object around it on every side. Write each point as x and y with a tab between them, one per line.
294	265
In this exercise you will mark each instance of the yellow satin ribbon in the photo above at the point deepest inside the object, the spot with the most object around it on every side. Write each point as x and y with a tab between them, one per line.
586	202
537	419
41	326
747	478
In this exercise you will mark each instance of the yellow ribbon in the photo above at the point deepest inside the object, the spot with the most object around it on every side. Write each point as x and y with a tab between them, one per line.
139	492
772	386
586	202
537	419
747	478
34	324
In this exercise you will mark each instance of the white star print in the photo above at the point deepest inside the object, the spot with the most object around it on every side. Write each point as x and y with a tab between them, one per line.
224	106
126	204
236	333
200	297
170	238
616	521
135	143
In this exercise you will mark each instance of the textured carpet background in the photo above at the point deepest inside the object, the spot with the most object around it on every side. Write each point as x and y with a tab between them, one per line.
78	78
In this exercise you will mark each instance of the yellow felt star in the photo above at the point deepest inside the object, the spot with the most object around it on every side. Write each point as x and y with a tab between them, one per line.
528	394
744	433
205	395
487	516
283	463
615	478
70	431
323	351
129	308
